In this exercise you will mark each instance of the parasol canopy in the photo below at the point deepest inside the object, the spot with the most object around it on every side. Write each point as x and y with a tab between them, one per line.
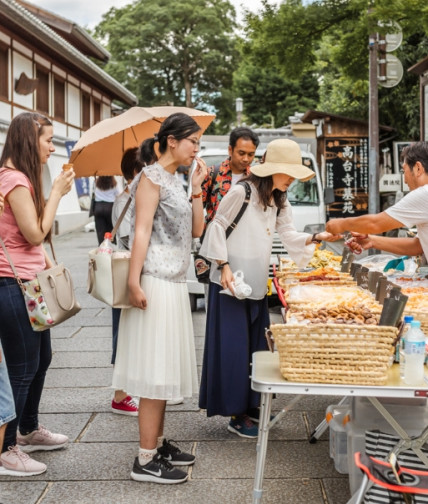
100	149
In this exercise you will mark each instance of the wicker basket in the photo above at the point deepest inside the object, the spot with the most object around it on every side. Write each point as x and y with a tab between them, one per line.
334	353
287	282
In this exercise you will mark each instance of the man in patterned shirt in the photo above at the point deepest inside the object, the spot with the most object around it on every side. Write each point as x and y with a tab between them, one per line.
243	143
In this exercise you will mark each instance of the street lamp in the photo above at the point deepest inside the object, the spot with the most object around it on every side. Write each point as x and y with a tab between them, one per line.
239	108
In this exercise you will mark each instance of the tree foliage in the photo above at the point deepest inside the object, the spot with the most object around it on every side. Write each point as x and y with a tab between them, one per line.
328	40
177	52
301	54
270	98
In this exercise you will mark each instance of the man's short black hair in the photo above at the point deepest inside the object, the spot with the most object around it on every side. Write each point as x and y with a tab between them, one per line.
417	151
245	133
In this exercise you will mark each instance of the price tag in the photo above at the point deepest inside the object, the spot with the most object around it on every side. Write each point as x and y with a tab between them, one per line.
363	278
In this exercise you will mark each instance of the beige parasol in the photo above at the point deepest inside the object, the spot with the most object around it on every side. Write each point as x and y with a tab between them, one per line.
100	149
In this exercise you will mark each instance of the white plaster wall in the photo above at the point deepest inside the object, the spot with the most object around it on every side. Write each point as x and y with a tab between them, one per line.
16	111
60	129
69	202
22	64
73	133
73	104
5	111
105	111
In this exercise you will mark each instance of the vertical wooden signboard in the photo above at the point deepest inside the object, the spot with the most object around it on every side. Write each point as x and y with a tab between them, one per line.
347	172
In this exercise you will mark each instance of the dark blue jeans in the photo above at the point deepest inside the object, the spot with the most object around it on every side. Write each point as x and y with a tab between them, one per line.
28	355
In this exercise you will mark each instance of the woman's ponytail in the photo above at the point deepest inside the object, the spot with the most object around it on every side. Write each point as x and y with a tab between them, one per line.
147	149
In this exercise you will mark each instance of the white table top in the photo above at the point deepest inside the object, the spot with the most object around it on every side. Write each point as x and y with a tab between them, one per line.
266	377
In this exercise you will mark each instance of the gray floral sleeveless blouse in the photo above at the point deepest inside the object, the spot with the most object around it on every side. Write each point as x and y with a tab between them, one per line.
168	255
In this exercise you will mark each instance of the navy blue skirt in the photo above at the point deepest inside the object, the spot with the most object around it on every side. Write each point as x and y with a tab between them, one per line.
234	330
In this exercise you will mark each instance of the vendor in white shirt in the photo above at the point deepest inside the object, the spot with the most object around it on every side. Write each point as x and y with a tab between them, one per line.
236	327
412	210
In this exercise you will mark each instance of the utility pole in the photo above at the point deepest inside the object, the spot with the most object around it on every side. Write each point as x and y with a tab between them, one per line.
239	102
373	126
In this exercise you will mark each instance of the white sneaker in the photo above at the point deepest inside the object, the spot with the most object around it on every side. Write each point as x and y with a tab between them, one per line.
174	402
17	463
41	439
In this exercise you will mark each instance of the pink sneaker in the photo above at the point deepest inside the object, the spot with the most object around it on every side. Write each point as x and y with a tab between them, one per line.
126	406
41	439
17	463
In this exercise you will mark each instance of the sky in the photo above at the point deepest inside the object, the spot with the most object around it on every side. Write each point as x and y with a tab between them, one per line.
88	12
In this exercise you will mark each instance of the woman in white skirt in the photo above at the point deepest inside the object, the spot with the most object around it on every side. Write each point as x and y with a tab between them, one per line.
156	355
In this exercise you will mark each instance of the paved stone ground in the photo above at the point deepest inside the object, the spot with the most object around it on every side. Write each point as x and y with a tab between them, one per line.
96	466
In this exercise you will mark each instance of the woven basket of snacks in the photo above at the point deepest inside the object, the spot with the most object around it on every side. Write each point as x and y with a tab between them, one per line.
357	314
312	296
286	282
318	274
334	353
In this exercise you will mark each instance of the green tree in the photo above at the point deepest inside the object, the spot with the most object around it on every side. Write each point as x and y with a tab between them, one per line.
179	52
270	98
329	39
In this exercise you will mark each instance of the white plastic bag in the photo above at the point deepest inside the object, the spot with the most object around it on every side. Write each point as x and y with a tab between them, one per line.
242	289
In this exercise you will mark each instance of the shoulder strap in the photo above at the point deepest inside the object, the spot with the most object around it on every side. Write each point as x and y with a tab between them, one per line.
216	170
121	216
15	273
243	208
215	173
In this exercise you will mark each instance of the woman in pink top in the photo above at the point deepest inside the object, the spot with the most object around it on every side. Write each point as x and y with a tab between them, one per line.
25	224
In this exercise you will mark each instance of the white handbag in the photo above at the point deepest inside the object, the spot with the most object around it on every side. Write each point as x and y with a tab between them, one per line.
108	273
49	298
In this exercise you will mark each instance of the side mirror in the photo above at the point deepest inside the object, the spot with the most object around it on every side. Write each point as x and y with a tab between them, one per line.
328	195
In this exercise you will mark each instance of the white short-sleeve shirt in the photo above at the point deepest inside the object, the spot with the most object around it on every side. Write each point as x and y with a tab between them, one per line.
412	210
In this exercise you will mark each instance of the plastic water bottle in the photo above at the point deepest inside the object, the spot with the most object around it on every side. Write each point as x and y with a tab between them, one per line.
414	348
106	247
401	355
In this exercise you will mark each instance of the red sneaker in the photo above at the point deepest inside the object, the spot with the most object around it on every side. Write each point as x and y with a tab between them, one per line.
125	407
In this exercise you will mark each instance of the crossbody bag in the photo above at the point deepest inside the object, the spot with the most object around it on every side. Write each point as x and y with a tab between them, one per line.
202	265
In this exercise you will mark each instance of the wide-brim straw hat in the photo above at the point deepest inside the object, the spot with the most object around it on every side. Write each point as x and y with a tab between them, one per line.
283	156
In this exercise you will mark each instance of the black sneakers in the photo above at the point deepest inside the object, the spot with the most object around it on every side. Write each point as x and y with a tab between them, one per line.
158	470
174	455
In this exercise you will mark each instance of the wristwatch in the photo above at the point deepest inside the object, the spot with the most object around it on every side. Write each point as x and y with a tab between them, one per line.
314	240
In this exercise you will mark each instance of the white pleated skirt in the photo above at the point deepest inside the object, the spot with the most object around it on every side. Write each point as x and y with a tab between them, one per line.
155	356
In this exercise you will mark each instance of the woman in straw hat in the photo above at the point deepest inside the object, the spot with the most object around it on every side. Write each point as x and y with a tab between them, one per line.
235	327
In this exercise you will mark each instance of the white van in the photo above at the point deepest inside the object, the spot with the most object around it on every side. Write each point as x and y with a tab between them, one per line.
309	213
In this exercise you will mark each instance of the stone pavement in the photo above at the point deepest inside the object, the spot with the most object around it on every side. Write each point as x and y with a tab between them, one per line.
96	466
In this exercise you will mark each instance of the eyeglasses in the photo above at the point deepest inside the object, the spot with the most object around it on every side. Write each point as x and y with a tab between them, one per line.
196	143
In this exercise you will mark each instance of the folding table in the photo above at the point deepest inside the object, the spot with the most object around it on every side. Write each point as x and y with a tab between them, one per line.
267	379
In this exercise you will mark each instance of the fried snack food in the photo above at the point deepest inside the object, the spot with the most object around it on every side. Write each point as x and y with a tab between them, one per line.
329	296
418	298
325	258
319	276
359	314
320	259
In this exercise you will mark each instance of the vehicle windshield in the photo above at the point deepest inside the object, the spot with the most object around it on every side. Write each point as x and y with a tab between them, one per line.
304	193
214	159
